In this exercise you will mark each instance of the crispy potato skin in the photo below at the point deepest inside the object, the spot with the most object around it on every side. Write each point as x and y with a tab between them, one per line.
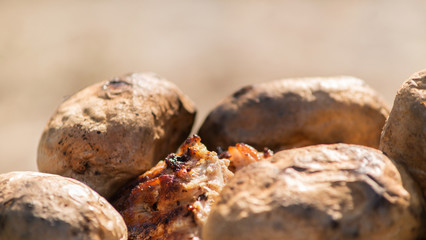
40	206
404	134
113	131
321	192
293	113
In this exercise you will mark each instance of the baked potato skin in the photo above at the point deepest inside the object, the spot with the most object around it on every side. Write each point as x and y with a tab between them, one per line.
404	134
41	206
293	113
115	130
336	191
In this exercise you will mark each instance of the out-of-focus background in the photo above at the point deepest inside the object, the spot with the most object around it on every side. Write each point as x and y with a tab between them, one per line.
49	49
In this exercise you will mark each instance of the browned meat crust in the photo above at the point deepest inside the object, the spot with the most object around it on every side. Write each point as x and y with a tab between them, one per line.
242	155
173	199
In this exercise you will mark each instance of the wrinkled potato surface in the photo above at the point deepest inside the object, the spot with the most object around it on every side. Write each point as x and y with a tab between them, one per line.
321	192
115	130
293	113
41	206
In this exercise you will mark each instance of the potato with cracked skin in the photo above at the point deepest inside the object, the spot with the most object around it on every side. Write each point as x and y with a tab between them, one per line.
336	191
404	134
42	206
113	131
293	113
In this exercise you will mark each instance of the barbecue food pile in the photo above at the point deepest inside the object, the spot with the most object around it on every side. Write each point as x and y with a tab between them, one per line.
289	159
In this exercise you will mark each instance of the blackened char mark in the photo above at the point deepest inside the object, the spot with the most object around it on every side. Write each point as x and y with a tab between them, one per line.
176	162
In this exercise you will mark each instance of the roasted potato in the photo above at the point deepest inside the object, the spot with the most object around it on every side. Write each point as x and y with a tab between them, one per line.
404	134
113	131
335	191
41	206
293	113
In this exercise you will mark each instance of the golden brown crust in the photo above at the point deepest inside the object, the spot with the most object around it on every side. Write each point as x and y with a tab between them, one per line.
115	130
336	191
242	155
297	112
173	199
41	206
404	134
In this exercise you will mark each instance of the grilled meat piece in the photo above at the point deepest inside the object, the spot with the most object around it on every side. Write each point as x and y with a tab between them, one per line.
242	155
173	199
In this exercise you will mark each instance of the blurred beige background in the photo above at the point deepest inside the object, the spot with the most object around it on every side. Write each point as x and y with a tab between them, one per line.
51	49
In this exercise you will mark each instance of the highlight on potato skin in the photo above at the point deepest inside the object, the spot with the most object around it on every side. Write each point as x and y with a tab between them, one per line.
292	113
112	131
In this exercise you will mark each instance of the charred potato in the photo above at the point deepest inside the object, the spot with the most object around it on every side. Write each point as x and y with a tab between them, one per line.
404	134
336	191
297	112
41	206
115	130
